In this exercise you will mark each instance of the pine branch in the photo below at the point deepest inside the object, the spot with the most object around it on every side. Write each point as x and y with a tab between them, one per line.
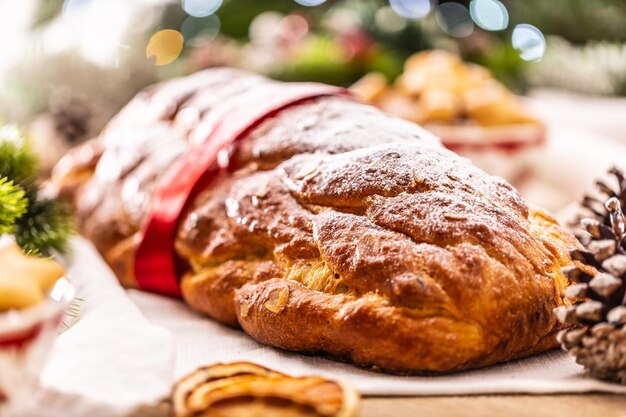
12	204
45	227
17	161
42	225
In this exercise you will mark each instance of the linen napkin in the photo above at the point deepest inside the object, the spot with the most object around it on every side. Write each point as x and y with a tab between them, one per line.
127	347
111	361
201	341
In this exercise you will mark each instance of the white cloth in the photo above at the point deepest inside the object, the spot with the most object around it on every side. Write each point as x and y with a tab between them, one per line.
200	341
113	360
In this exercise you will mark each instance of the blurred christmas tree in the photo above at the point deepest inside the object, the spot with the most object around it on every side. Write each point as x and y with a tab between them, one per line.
587	38
592	68
12	204
40	225
578	21
61	54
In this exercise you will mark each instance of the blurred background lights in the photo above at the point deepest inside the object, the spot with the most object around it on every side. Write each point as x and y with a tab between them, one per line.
310	3
74	10
265	27
200	8
411	9
165	46
388	20
294	26
14	23
200	29
454	19
529	41
95	27
489	14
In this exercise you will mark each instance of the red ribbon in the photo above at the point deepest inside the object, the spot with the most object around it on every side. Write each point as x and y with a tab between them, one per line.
19	339
157	267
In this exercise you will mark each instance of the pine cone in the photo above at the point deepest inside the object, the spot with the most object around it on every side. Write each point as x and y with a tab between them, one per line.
598	311
595	206
72	119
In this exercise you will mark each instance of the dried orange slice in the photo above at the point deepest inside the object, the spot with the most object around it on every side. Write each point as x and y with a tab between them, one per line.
246	389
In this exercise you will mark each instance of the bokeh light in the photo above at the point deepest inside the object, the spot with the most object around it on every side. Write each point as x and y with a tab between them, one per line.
388	20
199	29
529	41
310	3
411	9
264	29
165	46
95	28
74	10
489	14
294	26
200	8
454	19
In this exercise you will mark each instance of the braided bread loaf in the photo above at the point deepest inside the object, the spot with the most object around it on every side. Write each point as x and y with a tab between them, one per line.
337	229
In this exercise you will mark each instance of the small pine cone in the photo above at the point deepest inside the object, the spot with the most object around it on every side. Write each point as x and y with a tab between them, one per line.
72	118
601	349
598	292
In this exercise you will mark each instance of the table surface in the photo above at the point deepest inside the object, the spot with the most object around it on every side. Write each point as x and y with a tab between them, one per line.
604	405
583	405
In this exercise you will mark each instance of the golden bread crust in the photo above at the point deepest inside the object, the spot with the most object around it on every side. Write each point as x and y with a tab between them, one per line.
342	230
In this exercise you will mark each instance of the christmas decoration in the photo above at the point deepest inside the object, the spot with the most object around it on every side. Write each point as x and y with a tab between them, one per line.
598	311
72	119
594	205
245	389
25	279
40	224
12	204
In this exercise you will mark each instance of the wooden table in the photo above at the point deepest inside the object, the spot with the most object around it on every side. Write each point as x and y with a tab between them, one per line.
584	405
588	405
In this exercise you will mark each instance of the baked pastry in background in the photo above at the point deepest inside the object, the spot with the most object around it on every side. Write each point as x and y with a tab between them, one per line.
437	87
463	104
331	228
